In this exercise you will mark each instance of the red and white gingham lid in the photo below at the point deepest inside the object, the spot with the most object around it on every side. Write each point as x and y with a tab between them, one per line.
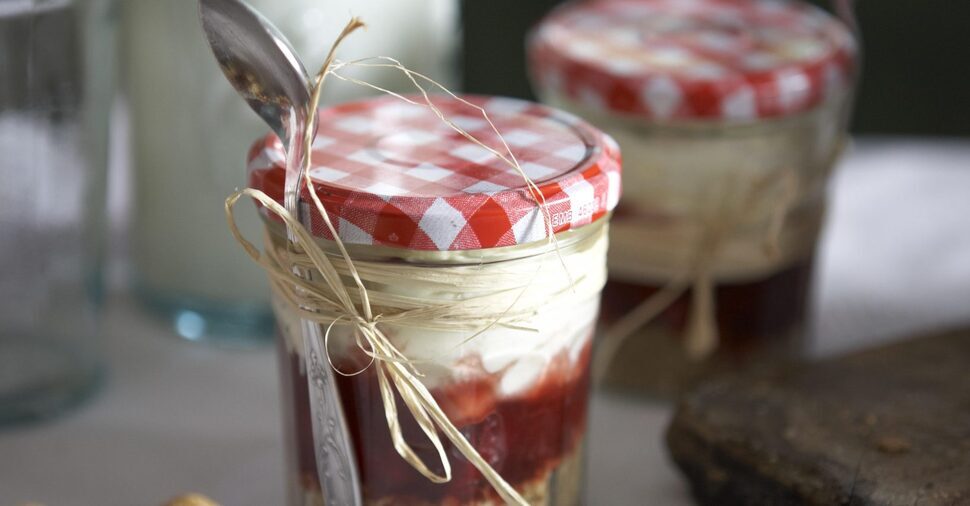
663	60
394	174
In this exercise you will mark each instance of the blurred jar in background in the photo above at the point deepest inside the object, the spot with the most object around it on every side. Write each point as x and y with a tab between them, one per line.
189	138
56	81
730	116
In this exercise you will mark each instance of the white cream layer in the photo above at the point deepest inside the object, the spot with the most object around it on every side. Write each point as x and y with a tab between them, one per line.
520	357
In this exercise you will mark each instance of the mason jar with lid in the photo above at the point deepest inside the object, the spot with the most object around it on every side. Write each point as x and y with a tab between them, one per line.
466	290
731	115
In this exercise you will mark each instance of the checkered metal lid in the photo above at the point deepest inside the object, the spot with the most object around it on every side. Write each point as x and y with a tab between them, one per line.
664	60
394	174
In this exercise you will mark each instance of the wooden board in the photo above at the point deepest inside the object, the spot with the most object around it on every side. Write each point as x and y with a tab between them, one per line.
889	426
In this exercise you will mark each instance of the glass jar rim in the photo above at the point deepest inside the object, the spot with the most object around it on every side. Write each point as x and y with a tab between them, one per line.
565	242
835	101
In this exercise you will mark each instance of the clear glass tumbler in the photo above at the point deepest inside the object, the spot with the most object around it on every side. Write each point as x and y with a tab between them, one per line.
55	89
189	136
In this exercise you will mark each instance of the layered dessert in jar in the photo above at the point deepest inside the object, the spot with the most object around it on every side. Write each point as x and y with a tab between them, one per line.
512	275
731	115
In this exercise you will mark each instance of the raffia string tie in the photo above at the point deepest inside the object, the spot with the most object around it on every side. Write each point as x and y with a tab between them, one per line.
720	220
724	243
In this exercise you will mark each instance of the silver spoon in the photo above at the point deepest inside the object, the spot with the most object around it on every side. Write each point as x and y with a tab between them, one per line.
263	67
259	62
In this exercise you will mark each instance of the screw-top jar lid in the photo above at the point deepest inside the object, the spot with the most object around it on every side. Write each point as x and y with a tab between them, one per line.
394	174
693	59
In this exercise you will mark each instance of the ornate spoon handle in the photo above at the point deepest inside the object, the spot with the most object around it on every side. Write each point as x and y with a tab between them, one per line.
331	438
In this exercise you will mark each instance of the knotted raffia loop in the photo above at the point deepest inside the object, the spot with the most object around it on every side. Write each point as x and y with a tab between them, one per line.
735	205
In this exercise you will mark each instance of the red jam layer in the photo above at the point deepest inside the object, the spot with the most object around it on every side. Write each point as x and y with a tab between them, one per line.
747	314
524	437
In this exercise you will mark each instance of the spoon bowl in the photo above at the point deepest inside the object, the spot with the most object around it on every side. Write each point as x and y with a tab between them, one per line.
259	63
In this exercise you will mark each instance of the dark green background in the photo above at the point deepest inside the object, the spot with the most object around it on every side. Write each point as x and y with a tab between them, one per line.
916	63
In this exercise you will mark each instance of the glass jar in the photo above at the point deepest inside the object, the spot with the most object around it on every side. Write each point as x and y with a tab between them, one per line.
731	116
56	86
190	130
432	220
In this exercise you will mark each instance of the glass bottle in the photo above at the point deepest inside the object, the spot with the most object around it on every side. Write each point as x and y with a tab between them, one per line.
56	84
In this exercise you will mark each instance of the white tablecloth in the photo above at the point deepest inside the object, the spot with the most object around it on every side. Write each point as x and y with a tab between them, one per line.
175	416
